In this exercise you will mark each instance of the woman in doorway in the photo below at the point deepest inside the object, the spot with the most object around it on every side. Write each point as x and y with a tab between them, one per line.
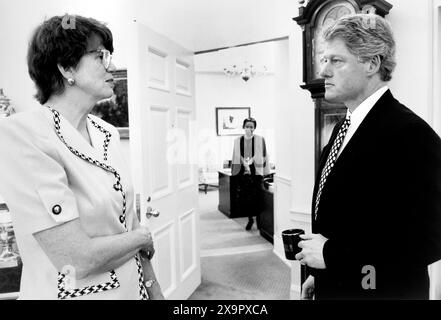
250	165
65	179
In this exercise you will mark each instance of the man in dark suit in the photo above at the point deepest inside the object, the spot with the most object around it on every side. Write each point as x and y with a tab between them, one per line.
377	198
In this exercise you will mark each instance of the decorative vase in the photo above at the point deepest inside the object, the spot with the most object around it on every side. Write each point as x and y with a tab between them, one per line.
5	106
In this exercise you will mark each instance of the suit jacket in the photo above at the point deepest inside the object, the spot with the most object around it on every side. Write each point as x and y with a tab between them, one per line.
381	208
44	184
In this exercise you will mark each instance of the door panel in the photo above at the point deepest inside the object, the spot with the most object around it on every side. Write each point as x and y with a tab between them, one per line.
161	114
158	75
184	168
160	174
165	257
187	227
183	78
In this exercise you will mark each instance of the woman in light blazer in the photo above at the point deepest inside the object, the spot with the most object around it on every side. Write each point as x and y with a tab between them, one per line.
65	179
250	164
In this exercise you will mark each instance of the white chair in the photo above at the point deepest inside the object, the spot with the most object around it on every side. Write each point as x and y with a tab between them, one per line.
208	177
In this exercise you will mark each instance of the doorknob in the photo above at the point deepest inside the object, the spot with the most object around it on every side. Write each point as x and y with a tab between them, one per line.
152	213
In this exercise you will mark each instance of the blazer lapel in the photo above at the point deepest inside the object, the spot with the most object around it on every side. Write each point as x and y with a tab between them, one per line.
323	157
368	131
97	138
74	139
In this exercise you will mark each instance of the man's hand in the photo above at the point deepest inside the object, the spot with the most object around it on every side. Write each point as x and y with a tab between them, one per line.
308	289
312	251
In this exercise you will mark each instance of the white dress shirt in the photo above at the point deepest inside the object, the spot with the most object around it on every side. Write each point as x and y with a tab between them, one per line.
360	113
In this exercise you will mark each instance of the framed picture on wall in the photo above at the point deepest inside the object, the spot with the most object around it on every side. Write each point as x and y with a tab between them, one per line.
229	120
115	110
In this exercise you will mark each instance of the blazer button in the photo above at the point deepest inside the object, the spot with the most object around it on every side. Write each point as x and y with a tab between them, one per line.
121	219
56	209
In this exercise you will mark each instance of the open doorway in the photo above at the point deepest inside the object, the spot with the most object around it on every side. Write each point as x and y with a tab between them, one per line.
232	84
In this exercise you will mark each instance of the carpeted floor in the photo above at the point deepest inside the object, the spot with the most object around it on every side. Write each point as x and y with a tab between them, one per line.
220	233
250	276
236	264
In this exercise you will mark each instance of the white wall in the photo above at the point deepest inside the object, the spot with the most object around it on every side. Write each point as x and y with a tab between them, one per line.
294	191
214	89
412	79
294	141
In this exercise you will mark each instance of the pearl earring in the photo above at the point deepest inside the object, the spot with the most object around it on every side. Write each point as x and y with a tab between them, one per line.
71	81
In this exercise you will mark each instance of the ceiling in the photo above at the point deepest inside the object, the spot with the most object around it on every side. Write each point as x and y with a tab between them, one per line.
197	25
200	25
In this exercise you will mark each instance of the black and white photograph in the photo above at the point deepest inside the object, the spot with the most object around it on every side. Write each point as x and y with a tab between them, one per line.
239	153
229	120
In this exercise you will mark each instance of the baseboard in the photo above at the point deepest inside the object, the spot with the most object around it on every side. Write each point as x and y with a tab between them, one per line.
279	251
295	292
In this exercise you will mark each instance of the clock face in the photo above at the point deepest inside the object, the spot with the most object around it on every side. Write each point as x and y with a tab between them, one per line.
327	16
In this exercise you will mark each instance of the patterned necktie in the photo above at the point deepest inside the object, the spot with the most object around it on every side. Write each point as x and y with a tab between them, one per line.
332	158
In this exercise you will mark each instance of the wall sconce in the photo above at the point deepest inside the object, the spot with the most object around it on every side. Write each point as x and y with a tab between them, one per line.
248	71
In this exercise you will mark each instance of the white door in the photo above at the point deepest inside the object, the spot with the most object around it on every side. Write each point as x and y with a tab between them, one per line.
161	114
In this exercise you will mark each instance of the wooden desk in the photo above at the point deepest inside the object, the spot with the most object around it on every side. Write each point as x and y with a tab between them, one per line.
228	199
266	218
229	204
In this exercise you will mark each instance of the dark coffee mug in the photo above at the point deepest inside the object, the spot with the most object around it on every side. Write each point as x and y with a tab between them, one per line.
291	239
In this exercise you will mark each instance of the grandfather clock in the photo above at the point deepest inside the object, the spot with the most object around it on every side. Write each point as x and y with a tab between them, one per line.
314	17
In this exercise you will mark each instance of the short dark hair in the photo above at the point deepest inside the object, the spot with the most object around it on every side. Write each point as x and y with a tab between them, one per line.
249	120
53	43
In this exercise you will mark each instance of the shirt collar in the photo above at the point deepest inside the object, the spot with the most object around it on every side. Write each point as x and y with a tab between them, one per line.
363	109
75	140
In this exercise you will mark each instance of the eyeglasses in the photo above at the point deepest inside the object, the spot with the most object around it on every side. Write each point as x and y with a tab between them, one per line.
106	56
